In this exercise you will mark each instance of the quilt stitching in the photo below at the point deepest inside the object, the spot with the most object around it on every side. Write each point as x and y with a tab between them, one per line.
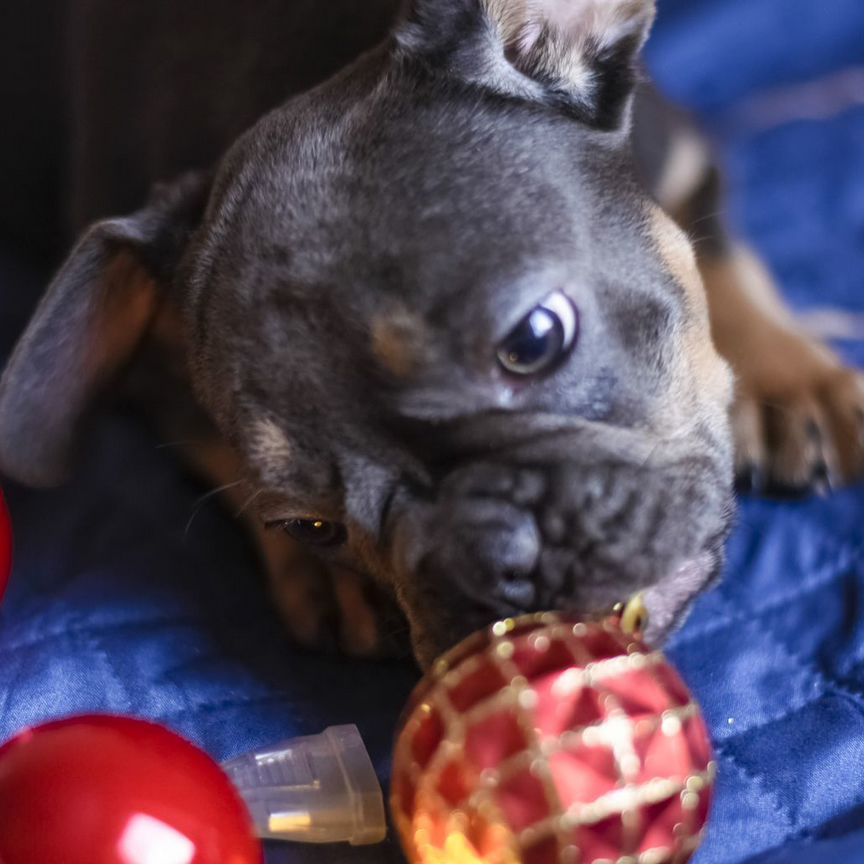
809	585
768	793
122	628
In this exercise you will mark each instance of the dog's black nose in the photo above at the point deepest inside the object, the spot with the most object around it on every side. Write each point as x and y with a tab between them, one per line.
489	552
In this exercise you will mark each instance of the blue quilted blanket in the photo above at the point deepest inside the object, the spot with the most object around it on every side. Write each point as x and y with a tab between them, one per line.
131	593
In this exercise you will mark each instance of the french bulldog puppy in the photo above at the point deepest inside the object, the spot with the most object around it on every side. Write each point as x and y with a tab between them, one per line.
434	319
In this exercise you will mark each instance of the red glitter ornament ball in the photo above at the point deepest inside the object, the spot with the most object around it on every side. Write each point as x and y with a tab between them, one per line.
113	790
547	740
5	546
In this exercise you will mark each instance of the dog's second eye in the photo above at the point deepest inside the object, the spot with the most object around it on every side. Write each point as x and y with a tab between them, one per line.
315	532
542	339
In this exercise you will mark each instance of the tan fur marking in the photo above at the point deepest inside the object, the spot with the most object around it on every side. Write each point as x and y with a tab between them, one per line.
714	379
687	164
169	329
396	342
362	638
805	409
680	259
220	465
703	386
128	305
757	334
299	584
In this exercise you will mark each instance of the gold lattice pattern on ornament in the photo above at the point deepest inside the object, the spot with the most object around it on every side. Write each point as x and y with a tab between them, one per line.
541	709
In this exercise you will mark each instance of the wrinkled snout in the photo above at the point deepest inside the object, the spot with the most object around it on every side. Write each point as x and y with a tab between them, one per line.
577	520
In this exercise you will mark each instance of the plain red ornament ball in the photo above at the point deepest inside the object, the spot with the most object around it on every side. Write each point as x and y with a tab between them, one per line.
114	790
546	740
5	546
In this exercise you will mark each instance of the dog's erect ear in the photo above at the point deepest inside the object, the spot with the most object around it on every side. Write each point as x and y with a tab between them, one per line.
581	55
87	327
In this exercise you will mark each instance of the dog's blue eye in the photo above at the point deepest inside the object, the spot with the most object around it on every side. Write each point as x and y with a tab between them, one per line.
315	532
542	339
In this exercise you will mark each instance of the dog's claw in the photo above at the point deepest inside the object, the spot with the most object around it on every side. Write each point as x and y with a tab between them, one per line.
749	479
806	442
823	483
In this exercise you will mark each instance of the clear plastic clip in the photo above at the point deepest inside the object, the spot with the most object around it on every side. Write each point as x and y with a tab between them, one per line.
314	789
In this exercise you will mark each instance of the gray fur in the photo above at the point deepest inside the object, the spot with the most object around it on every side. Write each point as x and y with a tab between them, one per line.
410	189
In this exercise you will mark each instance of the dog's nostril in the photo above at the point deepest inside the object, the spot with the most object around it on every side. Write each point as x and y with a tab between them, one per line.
512	550
518	591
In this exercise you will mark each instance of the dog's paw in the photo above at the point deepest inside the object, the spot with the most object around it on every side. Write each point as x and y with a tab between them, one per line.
798	415
798	419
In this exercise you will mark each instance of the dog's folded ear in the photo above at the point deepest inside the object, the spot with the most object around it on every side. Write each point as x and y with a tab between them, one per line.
580	55
87	328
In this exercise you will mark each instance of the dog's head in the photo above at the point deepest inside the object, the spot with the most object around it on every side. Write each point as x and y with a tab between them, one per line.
459	347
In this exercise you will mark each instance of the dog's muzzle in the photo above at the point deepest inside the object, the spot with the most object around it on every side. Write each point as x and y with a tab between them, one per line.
567	520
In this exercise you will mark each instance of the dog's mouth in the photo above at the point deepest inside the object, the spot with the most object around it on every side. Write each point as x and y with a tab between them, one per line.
667	603
650	614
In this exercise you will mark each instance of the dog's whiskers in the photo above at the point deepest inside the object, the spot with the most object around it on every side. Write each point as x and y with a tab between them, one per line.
205	498
714	214
248	503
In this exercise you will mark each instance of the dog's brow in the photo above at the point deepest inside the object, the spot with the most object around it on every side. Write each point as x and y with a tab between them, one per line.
268	444
397	339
